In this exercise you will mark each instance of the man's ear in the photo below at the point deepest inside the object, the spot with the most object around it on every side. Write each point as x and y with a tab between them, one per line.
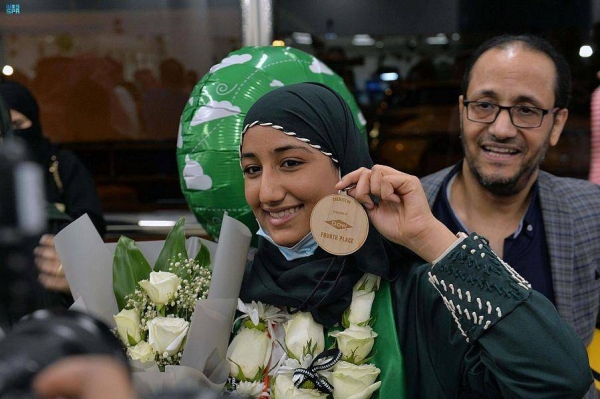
560	119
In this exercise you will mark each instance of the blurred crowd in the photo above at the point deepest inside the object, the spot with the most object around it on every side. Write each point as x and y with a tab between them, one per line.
88	98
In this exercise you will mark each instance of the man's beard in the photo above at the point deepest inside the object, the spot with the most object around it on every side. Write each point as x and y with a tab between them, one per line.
505	186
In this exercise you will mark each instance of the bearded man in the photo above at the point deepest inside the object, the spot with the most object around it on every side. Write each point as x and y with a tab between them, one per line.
513	107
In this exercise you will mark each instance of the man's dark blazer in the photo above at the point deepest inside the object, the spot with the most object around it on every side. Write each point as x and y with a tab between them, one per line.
571	212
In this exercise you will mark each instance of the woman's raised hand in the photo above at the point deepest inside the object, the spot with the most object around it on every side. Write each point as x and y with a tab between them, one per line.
402	213
51	274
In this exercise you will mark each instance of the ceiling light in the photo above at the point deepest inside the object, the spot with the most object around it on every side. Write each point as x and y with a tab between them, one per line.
388	76
363	40
585	51
302	38
438	39
7	70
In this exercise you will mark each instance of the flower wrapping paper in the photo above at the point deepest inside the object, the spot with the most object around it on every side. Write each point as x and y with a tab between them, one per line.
87	263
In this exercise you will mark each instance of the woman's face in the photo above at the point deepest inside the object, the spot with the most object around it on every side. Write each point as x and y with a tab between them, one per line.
19	121
284	179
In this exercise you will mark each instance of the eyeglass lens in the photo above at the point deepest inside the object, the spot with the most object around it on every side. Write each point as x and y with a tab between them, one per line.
521	116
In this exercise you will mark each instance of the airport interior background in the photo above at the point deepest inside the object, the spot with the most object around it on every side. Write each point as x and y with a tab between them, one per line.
112	77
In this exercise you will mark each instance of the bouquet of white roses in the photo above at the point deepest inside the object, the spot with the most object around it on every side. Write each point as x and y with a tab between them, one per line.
157	303
164	316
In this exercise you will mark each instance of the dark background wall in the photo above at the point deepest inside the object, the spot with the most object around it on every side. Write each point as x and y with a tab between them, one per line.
518	15
382	17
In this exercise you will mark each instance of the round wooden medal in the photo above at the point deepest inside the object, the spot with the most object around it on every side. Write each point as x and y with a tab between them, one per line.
339	224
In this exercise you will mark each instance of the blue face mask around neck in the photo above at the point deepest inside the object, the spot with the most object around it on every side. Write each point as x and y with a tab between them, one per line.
305	247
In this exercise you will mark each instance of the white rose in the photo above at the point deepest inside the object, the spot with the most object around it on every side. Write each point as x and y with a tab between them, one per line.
128	322
354	382
283	388
360	307
355	342
301	330
368	282
250	350
161	287
166	334
143	352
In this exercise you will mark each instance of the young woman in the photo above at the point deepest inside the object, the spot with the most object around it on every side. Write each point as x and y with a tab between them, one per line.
464	323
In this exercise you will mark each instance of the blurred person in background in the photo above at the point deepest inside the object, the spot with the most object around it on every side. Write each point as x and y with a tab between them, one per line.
546	227
99	103
162	106
70	190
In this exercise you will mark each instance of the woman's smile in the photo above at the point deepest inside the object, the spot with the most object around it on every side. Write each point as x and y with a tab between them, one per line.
281	217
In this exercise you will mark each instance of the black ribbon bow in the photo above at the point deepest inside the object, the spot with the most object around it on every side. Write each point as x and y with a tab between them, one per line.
325	360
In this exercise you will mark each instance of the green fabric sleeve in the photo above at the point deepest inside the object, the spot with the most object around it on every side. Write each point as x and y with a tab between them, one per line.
530	353
477	287
525	351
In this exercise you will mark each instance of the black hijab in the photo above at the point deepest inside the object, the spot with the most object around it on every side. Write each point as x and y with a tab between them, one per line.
318	116
17	97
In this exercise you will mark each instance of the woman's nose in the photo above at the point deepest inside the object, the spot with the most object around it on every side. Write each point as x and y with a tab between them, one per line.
272	187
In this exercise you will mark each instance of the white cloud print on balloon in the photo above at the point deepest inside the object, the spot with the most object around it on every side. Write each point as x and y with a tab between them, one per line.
194	176
210	111
231	60
318	67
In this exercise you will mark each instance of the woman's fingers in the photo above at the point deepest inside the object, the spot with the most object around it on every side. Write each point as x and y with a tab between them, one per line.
384	182
381	181
51	276
361	192
54	283
47	239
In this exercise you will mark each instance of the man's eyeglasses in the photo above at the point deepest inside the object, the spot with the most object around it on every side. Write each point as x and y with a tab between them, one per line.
520	115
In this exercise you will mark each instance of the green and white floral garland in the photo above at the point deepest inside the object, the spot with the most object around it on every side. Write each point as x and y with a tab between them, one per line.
268	362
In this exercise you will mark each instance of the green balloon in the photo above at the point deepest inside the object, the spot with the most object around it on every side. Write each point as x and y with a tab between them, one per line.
211	124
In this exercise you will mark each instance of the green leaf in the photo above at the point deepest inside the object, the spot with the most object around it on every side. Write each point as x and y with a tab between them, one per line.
161	310
174	245
129	267
308	384
131	340
262	327
367	359
240	375
259	374
346	318
373	320
203	256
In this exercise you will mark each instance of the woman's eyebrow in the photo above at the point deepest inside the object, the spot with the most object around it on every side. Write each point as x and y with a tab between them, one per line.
278	150
247	155
291	147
